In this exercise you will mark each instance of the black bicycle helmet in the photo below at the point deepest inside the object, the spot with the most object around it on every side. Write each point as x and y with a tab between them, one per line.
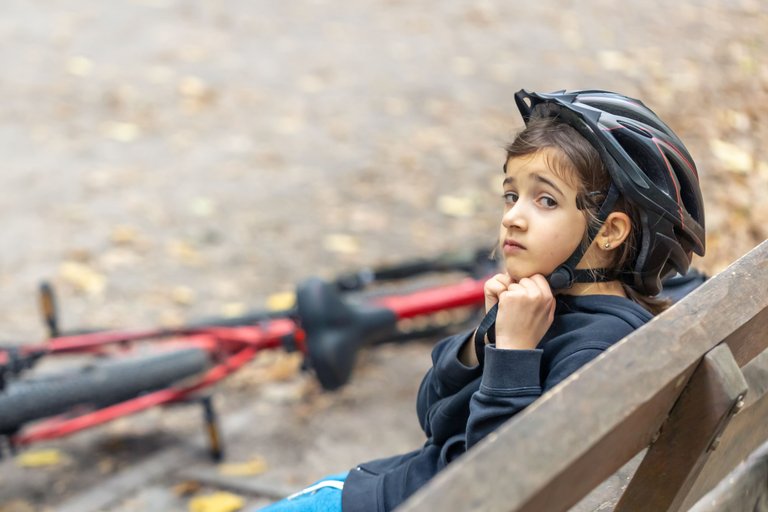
649	167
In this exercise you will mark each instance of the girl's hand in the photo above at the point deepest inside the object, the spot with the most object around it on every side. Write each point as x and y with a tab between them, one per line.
494	287
526	311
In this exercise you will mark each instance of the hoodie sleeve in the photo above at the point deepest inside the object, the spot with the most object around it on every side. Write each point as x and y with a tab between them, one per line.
447	376
511	381
509	384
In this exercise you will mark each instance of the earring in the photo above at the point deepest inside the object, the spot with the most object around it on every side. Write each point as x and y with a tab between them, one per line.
607	245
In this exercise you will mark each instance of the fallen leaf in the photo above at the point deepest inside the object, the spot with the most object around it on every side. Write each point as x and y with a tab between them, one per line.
124	235
203	207
216	502
340	243
79	66
193	87
122	132
82	277
614	61
233	309
731	156
40	458
281	301
456	206
183	295
184	252
284	367
186	488
252	467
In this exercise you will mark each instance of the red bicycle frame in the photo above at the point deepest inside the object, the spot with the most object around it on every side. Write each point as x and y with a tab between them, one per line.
231	346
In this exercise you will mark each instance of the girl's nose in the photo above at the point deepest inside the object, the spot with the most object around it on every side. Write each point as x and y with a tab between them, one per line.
515	217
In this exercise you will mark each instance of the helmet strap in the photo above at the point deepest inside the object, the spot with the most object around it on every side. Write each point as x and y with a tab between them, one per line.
566	274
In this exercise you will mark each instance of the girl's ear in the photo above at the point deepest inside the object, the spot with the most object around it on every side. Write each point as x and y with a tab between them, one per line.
614	231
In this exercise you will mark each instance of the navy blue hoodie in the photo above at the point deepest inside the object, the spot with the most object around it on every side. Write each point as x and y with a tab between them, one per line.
458	405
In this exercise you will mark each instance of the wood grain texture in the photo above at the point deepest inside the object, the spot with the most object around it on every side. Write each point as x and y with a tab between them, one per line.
675	459
553	453
744	434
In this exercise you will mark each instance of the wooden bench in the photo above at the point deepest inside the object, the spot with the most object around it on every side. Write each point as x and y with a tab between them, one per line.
654	424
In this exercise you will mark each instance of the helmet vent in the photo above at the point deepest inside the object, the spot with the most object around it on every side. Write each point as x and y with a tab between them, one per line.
638	130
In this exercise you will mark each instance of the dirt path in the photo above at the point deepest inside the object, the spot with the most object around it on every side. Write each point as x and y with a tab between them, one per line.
166	160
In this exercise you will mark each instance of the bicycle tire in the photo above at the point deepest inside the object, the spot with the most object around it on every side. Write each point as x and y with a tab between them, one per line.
96	385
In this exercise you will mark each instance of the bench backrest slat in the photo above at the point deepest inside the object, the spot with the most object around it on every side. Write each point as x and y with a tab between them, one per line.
744	434
553	453
676	458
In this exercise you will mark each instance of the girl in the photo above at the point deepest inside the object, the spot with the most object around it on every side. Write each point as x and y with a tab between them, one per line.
601	200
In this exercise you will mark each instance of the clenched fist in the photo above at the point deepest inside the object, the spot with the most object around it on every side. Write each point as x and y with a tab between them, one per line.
526	310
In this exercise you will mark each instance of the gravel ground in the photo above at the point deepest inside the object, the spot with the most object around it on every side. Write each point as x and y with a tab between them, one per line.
166	160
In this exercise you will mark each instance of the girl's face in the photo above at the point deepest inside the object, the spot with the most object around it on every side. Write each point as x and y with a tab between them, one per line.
541	226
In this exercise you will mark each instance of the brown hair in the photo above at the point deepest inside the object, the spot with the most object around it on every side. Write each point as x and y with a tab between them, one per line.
579	164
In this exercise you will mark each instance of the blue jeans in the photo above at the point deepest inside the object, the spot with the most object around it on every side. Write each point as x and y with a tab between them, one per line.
322	496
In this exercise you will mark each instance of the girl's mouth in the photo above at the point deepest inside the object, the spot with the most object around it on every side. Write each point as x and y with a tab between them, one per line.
510	246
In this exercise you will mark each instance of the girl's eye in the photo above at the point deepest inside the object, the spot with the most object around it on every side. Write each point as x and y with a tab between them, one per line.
510	197
547	202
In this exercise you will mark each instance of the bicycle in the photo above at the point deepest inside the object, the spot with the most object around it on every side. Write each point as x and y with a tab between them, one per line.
330	322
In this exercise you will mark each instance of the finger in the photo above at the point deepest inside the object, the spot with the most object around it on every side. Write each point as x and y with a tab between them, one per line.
531	288
514	291
493	287
503	279
543	285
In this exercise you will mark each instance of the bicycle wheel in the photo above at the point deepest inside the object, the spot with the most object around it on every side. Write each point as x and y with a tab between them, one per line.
96	385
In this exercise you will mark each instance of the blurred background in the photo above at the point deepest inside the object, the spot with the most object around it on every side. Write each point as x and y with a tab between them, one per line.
164	160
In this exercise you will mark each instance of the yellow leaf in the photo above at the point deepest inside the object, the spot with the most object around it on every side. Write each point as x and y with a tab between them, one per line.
193	87
455	206
216	502
183	295
184	252
79	66
252	467
82	277
731	156
122	132
233	309
340	243
281	301
203	207
40	458
124	234
614	61
186	488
